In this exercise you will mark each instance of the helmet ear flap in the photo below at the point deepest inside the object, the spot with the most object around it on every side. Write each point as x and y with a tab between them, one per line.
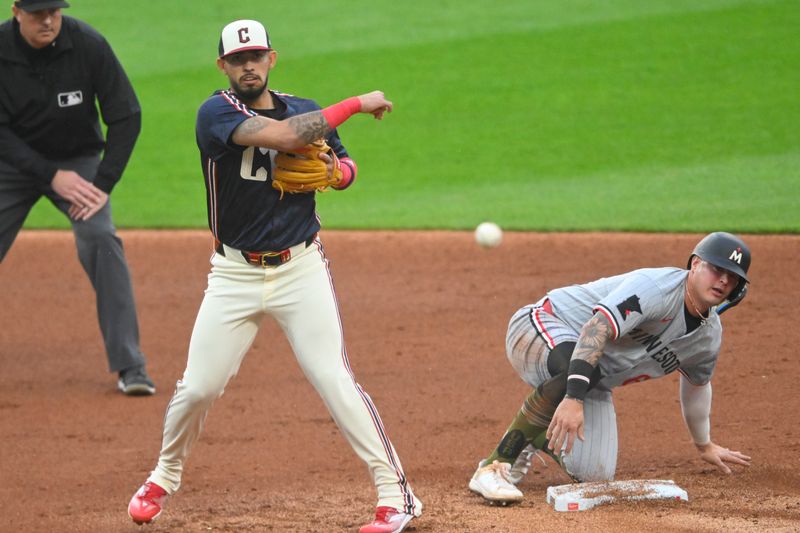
691	260
739	292
736	296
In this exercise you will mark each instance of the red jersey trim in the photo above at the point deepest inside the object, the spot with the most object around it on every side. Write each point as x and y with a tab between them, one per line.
611	318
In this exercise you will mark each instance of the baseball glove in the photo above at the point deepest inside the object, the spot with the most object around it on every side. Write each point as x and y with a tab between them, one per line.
303	171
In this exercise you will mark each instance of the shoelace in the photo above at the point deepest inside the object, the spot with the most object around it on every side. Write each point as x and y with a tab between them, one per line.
501	469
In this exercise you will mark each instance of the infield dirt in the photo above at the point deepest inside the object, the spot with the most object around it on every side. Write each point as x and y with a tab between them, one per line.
424	316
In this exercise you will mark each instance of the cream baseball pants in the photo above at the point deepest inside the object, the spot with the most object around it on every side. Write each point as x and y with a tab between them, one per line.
299	295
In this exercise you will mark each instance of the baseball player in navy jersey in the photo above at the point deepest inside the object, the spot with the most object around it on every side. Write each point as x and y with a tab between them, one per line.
269	260
577	343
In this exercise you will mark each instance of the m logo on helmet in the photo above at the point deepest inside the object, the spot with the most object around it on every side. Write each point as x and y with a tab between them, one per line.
736	255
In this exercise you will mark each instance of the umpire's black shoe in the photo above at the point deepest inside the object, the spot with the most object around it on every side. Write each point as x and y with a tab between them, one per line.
135	382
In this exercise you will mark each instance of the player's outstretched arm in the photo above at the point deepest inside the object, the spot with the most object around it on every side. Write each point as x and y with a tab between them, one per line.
718	456
299	130
696	410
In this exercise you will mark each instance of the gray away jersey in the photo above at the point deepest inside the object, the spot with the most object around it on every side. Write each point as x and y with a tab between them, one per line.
645	308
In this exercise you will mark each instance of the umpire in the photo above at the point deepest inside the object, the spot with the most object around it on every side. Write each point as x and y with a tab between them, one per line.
52	69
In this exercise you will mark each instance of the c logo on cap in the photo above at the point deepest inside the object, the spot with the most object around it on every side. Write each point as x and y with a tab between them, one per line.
243	37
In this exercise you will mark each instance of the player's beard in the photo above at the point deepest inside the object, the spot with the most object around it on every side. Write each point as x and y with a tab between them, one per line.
249	94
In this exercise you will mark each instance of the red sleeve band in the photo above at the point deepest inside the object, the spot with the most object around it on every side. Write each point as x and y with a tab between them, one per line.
336	114
610	317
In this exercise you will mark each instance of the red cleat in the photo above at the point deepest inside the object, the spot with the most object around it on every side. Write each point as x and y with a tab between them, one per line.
387	520
147	503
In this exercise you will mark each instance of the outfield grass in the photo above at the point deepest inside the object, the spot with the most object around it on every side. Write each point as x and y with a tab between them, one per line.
667	115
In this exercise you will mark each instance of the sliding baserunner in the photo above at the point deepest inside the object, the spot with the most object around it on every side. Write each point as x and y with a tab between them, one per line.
579	342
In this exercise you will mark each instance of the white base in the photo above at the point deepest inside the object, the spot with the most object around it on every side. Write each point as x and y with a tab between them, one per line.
582	496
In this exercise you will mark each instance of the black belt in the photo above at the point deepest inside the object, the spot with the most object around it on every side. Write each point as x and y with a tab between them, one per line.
265	259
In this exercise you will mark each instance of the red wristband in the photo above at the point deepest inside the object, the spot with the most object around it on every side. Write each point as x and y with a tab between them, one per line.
349	171
337	113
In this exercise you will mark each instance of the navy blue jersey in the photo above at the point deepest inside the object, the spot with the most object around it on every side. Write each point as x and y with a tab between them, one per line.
244	211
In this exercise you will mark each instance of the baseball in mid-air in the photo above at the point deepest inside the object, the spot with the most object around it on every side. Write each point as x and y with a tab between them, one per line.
488	234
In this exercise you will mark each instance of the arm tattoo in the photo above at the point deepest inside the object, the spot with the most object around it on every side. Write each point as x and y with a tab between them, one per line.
594	335
309	126
252	125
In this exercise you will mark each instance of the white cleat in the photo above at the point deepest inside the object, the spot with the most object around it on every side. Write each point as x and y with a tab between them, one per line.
491	481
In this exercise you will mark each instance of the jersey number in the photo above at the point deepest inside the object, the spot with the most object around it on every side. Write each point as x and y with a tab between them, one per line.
255	163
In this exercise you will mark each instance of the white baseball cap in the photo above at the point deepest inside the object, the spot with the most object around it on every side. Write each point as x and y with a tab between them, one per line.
241	35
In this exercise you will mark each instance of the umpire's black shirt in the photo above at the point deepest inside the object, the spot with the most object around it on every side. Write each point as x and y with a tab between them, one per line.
47	103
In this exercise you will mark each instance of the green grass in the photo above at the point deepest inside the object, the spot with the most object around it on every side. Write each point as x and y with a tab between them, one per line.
668	115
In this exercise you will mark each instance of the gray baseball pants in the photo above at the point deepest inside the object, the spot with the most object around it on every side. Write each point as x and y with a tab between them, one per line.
99	251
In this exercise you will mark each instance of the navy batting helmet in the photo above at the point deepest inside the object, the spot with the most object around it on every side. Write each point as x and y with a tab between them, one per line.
729	252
